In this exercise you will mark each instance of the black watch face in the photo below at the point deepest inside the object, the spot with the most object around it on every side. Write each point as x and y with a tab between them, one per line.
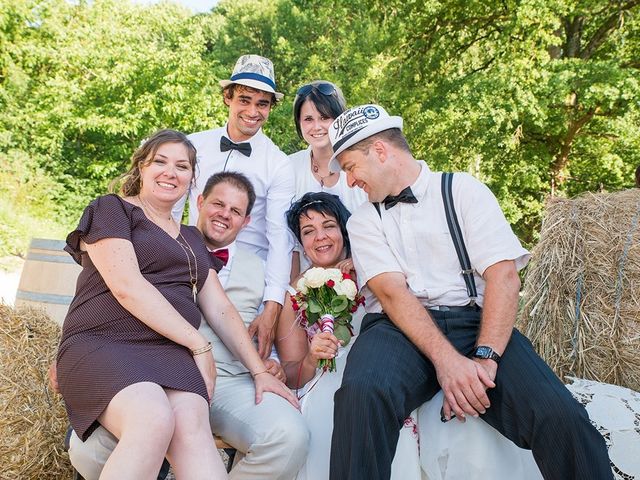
483	352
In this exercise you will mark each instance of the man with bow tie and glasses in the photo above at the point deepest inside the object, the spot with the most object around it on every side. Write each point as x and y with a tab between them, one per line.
241	146
439	264
272	434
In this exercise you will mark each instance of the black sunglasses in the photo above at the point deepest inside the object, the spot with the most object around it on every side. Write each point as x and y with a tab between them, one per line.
325	89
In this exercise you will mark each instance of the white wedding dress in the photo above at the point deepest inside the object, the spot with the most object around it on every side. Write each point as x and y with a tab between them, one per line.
317	409
431	450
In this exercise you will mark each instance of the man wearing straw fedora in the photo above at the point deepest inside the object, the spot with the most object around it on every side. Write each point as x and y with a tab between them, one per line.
439	265
241	146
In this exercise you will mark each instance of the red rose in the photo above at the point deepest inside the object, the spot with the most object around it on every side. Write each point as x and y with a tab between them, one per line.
330	283
346	276
354	308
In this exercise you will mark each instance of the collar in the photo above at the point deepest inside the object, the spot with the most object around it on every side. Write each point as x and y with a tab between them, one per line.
250	140
419	187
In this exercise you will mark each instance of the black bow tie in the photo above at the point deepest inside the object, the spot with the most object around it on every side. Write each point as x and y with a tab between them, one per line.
243	148
405	196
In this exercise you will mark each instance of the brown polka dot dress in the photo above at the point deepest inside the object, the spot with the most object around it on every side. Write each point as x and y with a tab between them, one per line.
104	348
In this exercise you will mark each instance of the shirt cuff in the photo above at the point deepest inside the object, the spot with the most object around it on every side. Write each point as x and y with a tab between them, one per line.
274	294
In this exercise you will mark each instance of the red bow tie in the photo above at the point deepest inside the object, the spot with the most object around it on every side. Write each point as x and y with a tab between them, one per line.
221	254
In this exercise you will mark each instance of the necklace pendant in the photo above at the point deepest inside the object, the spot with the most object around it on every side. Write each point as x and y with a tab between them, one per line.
195	292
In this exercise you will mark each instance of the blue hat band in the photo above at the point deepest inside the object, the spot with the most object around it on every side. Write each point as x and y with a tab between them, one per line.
254	76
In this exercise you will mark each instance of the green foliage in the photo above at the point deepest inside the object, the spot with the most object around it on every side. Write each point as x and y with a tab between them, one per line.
533	97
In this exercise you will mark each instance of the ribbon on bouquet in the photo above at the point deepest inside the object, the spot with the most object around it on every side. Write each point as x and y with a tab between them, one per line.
327	322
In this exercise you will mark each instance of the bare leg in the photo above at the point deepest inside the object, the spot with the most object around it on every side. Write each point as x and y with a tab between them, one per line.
141	416
192	451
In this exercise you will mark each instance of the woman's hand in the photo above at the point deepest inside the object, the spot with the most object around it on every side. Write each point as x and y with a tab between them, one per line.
324	345
265	382
207	367
346	266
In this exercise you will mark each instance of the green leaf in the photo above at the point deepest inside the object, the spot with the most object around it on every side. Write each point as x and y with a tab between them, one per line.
314	306
339	303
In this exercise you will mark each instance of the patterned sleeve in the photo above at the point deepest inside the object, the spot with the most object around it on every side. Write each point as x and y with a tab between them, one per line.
105	217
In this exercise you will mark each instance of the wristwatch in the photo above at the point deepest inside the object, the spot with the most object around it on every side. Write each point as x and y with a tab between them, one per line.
482	351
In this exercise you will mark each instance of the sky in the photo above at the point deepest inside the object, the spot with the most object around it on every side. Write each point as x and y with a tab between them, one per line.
196	6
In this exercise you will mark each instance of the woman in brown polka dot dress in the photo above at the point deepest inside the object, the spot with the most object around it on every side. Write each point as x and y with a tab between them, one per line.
131	357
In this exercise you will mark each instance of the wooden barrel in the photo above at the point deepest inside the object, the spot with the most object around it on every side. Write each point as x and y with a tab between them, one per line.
48	278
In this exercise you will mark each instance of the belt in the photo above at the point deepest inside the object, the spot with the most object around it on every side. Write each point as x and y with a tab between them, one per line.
463	308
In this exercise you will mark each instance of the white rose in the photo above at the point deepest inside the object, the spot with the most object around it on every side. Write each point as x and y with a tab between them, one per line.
301	286
315	277
334	274
347	288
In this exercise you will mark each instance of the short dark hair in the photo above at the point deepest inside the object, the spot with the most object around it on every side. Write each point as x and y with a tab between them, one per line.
324	203
393	136
230	90
236	179
331	106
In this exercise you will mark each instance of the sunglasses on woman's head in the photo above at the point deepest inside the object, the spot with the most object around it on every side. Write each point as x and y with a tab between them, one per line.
325	89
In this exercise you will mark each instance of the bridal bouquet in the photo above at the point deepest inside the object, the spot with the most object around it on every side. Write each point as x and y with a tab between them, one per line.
325	299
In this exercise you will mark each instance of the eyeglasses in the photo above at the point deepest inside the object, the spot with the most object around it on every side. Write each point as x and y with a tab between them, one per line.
325	89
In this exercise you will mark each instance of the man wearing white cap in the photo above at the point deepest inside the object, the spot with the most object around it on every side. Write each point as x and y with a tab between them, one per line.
241	146
439	265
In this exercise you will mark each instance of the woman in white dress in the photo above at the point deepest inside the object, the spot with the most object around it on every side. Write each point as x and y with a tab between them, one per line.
315	107
318	220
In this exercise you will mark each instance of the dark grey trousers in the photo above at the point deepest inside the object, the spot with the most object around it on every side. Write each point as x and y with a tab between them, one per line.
387	377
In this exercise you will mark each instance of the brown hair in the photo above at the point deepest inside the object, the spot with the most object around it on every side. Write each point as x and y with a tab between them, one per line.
394	136
230	90
235	179
129	183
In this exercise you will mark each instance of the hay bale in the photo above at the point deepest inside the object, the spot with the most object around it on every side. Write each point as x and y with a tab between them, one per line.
581	299
32	417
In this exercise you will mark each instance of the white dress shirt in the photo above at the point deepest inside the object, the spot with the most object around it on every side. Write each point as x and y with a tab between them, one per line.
414	239
269	171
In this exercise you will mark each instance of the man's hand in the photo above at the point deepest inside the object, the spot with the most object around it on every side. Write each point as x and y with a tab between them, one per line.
264	327
265	382
275	369
464	383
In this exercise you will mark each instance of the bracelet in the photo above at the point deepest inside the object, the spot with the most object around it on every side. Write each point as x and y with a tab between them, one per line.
200	350
254	375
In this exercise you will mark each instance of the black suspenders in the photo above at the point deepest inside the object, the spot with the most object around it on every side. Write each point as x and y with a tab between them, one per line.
456	236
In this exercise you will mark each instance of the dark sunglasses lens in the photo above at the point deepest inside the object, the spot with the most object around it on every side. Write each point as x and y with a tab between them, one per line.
304	90
325	88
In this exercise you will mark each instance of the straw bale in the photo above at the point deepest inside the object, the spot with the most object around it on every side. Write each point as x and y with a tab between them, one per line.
581	296
32	417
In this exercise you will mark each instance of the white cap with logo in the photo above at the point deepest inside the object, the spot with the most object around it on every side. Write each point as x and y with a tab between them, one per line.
356	124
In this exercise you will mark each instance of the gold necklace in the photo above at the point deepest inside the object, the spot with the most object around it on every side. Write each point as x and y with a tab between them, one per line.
316	169
193	279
